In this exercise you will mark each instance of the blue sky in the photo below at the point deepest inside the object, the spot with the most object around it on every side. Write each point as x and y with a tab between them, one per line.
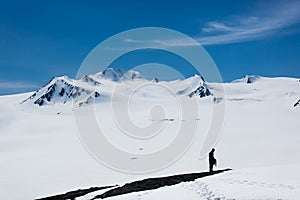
42	39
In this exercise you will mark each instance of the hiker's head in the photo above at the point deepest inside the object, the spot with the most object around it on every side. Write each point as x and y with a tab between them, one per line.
213	150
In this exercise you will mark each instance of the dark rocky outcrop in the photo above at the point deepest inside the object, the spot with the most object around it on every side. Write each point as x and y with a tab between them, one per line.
201	91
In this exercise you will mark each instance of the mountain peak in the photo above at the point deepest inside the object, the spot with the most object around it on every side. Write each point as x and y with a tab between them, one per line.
58	89
248	79
117	75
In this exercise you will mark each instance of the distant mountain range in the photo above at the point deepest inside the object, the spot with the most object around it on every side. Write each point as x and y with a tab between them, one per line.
99	86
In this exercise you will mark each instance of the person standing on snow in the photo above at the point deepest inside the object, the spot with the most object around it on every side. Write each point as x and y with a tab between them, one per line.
212	160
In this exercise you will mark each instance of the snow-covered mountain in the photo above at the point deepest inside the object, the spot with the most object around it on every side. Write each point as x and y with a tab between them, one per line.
90	87
248	79
118	75
58	89
197	87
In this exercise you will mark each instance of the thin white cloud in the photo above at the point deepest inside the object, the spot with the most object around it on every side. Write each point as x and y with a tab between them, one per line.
245	28
212	26
17	85
265	20
160	43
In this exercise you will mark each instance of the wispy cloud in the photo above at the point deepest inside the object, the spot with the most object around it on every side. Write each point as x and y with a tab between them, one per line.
160	43
262	23
265	20
16	85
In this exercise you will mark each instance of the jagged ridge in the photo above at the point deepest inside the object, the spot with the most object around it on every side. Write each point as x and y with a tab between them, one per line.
90	88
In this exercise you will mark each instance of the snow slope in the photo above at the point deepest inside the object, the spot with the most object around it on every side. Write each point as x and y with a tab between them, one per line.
41	153
257	183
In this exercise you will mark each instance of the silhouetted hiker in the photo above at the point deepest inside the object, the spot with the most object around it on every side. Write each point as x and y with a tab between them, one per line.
212	160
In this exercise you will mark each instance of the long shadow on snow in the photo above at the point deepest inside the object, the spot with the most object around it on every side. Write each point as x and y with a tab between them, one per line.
74	194
154	183
136	186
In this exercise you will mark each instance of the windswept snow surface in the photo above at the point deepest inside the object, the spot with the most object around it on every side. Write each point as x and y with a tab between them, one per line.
41	153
